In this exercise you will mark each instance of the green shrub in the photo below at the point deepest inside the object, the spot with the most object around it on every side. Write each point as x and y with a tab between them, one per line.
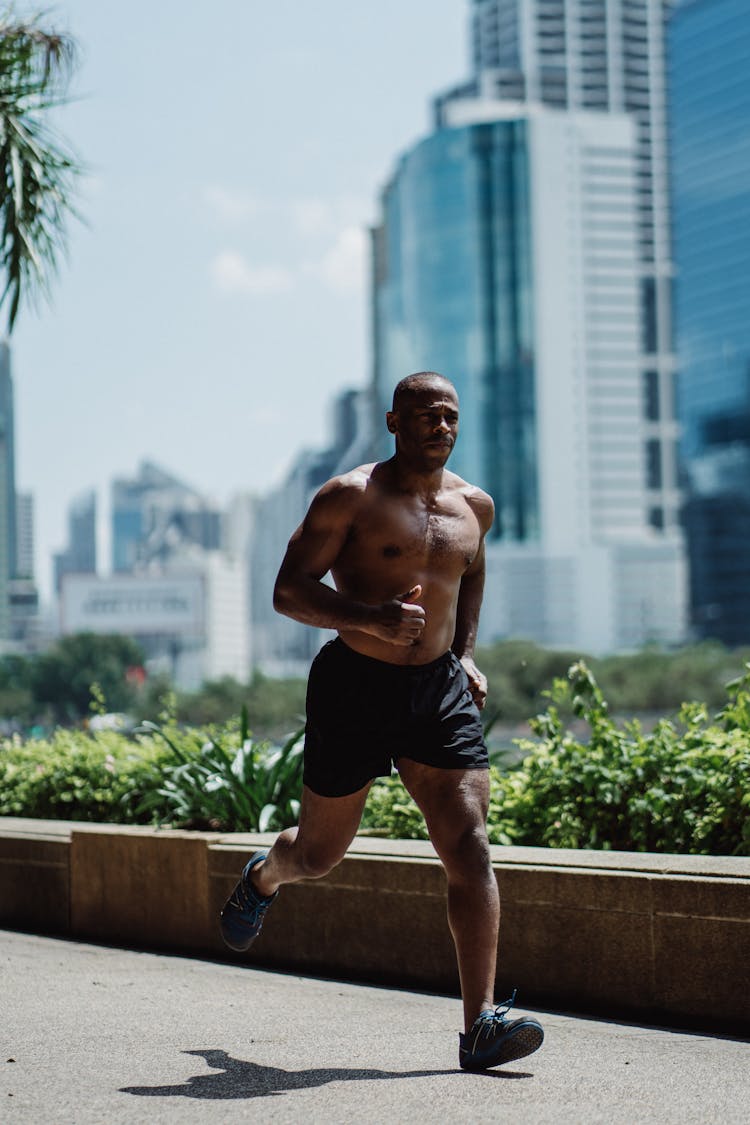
219	778
73	775
226	780
684	787
392	813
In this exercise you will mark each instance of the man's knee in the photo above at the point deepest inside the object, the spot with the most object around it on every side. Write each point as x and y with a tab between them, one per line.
467	853
317	860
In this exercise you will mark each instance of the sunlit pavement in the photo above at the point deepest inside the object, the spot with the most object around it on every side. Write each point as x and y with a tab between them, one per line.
99	1035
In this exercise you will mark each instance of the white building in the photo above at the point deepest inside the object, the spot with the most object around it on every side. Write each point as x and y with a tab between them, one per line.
189	615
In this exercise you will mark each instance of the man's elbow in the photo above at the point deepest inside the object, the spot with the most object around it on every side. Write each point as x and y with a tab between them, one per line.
282	597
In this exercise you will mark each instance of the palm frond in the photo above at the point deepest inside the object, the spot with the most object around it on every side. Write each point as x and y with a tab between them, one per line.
38	172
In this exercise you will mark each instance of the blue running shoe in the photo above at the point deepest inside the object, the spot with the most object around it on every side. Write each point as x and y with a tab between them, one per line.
244	911
494	1039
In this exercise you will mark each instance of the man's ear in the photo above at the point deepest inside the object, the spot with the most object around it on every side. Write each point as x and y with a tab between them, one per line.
391	421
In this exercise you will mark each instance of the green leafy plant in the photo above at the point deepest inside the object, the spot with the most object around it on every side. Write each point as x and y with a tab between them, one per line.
37	172
228	781
391	812
76	776
682	787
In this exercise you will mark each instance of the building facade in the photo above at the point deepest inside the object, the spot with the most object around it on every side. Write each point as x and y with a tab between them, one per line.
709	50
79	556
507	258
24	535
189	615
281	646
602	56
144	507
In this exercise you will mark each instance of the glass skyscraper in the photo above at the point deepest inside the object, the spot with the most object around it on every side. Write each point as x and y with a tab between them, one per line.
507	259
523	250
602	56
709	53
453	293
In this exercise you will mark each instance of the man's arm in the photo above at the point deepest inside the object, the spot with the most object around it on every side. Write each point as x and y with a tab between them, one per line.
313	550
470	602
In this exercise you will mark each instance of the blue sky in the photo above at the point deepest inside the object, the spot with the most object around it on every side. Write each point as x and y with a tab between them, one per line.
216	299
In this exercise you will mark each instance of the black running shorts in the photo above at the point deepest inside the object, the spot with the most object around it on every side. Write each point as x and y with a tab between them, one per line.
363	714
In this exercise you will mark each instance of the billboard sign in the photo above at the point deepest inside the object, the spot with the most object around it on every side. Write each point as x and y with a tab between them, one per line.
133	604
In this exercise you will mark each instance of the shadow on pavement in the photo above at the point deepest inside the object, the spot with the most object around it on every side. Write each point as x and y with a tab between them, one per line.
238	1079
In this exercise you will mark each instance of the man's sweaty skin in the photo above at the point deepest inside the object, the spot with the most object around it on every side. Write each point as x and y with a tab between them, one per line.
404	541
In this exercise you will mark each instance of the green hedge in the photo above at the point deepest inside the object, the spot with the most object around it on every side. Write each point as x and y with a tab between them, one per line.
683	787
76	776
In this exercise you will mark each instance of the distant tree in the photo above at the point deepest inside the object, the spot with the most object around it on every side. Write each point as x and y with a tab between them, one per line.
62	677
275	707
16	695
37	172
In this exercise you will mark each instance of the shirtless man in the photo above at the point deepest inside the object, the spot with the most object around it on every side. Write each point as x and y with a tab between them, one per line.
404	542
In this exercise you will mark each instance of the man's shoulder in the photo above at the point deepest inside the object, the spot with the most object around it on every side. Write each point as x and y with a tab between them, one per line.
478	500
343	493
352	483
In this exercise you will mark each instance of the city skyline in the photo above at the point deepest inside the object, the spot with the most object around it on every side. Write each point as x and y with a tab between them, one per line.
222	274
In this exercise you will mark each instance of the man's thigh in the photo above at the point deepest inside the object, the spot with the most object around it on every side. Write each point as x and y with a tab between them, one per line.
454	802
327	825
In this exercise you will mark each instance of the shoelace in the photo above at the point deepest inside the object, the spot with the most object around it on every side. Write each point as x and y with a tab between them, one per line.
247	899
489	1022
501	1010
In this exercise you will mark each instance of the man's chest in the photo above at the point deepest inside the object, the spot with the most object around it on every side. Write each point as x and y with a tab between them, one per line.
445	534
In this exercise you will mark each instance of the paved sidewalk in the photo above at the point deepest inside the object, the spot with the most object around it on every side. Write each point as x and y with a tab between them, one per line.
99	1036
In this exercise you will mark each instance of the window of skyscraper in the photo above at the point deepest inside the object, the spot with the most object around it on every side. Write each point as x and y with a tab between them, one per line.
648	308
653	463
651	396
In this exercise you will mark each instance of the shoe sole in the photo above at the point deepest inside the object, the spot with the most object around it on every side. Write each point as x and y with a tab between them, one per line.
232	943
516	1046
525	1041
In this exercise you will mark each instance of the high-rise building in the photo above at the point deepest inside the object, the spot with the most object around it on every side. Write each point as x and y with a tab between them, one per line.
153	510
524	252
282	646
24	535
709	51
79	556
7	491
605	56
507	259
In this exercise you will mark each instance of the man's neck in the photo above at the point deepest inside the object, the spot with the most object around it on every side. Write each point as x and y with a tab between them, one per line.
417	481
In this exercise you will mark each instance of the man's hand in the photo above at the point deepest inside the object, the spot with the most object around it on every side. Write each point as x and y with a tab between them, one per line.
477	681
399	621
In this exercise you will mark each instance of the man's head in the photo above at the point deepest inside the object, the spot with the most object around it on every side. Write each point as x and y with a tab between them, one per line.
424	419
416	384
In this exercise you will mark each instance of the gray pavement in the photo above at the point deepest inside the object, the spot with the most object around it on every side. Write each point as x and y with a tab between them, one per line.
98	1036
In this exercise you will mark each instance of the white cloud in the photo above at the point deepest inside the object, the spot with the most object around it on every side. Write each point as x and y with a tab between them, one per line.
232	273
340	268
343	266
316	218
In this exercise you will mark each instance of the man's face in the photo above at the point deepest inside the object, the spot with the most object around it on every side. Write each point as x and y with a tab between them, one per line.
426	424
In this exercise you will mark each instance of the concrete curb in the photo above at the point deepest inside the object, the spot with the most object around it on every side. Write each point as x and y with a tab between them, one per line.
662	938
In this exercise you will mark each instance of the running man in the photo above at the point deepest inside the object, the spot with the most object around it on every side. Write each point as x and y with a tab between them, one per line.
404	542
